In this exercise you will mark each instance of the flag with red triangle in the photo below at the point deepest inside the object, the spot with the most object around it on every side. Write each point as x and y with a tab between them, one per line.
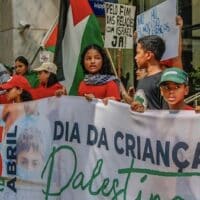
77	28
50	38
50	42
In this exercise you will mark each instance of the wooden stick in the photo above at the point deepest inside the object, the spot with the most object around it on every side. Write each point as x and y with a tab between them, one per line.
124	93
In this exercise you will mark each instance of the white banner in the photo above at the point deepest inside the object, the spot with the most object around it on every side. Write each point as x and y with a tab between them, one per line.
161	20
119	25
69	148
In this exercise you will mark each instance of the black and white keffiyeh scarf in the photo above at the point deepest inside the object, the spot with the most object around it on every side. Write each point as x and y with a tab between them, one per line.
99	79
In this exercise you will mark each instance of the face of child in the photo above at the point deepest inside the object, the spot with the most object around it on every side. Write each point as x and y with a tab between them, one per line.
174	93
141	56
30	160
20	68
93	61
43	76
140	73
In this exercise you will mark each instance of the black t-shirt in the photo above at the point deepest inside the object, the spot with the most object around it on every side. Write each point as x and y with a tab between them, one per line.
150	86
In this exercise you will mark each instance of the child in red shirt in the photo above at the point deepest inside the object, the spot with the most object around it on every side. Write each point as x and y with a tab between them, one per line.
49	85
17	89
99	82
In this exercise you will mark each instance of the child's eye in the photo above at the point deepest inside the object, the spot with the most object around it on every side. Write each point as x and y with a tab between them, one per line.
176	87
97	57
165	87
24	162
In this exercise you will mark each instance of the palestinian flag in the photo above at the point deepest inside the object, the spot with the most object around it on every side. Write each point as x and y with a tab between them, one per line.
49	40
50	43
77	28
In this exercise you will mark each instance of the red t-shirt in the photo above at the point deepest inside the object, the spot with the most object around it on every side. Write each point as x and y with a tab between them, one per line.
187	107
3	99
109	89
42	92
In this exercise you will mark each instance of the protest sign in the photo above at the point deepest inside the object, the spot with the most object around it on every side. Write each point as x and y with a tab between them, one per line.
119	25
161	20
69	148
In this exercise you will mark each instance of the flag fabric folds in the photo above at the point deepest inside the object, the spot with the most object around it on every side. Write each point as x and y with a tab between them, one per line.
50	38
77	28
51	41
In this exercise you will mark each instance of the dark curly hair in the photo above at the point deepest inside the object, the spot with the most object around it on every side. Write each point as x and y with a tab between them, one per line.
153	43
106	65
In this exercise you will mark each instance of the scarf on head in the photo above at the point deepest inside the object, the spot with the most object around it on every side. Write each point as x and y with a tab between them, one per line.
99	79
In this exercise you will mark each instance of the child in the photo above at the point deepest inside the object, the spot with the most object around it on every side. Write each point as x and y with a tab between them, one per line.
49	85
99	82
17	89
149	51
174	87
22	68
30	154
140	73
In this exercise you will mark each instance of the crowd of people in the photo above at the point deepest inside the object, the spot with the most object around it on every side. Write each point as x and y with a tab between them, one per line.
160	84
161	88
25	84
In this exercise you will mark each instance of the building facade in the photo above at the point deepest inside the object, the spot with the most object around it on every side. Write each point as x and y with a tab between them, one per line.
23	24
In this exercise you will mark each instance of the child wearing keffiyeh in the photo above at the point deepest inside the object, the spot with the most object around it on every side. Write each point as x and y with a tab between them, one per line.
99	82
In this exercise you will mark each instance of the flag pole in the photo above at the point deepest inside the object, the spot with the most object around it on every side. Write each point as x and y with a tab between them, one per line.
36	54
41	47
123	91
111	61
